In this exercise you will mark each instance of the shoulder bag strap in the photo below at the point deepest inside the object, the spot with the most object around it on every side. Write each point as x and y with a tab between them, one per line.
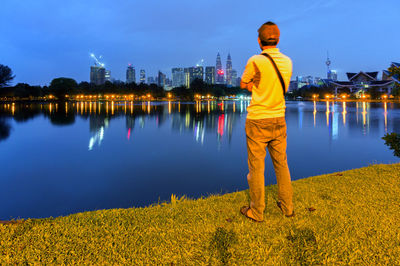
277	72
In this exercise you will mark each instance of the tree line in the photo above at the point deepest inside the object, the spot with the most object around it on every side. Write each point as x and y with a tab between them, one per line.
60	87
63	87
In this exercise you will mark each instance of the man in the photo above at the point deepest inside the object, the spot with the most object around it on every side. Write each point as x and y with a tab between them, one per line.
265	124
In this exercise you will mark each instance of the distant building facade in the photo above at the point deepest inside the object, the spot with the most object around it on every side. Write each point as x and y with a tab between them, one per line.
234	78
178	77
151	80
332	74
97	75
229	70
142	76
107	75
161	79
210	75
192	73
363	82
130	74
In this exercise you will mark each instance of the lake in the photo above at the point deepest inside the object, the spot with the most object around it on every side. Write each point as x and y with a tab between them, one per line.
58	159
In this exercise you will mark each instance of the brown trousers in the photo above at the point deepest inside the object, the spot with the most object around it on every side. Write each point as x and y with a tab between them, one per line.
271	133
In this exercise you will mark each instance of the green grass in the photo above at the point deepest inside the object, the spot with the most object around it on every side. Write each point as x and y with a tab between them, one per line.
355	221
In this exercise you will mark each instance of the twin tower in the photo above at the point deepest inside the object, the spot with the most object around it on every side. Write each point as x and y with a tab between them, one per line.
229	76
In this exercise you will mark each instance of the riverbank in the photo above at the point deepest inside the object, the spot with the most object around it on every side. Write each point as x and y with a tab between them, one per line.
341	218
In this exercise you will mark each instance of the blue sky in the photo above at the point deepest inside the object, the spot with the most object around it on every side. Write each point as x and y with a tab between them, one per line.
44	39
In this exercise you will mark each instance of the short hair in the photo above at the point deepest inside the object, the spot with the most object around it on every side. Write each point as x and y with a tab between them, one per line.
269	34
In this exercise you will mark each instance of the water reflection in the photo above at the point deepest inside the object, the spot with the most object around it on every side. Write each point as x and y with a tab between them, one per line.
199	116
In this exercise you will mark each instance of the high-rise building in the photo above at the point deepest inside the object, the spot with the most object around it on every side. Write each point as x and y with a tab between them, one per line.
151	80
210	75
187	77
229	70
178	77
238	80
333	75
234	78
219	78
161	79
97	75
107	75
193	73
130	74
198	73
142	76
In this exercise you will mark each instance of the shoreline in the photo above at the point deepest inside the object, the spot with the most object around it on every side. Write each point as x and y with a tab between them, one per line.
347	217
202	100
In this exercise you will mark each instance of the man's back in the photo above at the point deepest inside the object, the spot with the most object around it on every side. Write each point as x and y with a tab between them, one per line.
265	124
267	94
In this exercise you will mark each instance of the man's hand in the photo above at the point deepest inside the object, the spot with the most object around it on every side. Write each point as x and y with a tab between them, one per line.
246	86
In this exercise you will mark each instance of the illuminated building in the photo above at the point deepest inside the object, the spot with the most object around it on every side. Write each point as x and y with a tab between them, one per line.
178	77
219	78
142	76
107	75
130	74
192	73
332	74
229	70
210	75
97	75
97	72
362	82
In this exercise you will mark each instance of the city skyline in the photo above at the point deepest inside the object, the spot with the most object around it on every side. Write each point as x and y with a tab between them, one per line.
44	45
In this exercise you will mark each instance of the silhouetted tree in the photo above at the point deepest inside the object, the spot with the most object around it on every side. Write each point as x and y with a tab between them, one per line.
5	129
395	72
392	140
6	76
61	116
62	86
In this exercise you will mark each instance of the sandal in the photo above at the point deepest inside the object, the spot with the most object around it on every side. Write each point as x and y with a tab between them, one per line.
244	211
279	204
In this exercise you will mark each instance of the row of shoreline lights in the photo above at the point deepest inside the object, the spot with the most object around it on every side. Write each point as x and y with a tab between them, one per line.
344	96
169	95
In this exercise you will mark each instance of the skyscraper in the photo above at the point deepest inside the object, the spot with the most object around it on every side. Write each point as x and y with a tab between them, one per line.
220	72
97	75
130	74
161	79
234	78
107	75
178	77
142	76
332	74
229	70
210	75
187	77
195	73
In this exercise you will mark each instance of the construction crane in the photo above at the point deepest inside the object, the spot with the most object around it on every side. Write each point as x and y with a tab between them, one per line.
200	63
96	61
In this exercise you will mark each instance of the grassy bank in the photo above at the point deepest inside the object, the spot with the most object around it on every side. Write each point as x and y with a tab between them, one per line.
342	218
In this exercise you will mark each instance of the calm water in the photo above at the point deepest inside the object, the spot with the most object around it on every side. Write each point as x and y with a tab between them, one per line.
59	159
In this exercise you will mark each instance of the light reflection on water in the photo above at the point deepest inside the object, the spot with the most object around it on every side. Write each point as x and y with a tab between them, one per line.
80	156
